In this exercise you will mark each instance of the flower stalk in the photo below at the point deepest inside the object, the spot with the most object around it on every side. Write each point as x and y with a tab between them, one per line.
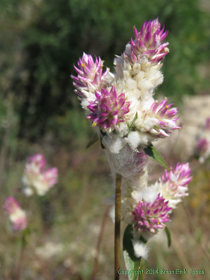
117	224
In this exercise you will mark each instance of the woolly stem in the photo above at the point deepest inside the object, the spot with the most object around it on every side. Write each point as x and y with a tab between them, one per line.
117	224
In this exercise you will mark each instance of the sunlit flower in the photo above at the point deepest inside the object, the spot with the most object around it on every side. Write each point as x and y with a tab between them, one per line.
151	216
17	216
148	42
173	185
108	109
160	120
90	75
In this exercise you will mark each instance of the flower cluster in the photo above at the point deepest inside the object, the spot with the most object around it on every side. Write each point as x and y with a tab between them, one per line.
127	119
17	216
123	101
203	144
37	178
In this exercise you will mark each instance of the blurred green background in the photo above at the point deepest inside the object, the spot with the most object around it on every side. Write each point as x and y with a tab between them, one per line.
40	41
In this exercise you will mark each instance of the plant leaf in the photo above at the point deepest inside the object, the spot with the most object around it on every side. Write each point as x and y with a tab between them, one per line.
102	134
134	119
93	139
131	261
152	152
168	236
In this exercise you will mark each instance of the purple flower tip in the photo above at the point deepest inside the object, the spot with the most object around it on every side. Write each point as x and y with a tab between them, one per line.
108	109
16	215
151	216
177	179
90	74
149	42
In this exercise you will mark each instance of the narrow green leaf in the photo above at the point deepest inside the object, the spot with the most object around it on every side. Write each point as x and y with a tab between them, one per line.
93	139
168	236
134	119
152	152
131	261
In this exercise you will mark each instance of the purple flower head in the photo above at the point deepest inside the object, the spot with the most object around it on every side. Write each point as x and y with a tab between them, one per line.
151	216
16	215
39	160
108	109
203	145
149	42
207	124
37	178
90	74
50	176
163	118
177	180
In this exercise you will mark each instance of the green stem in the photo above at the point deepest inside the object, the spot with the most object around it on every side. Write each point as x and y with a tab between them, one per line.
141	268
22	249
117	224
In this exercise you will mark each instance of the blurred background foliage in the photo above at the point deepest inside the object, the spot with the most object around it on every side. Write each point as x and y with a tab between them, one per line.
39	113
41	40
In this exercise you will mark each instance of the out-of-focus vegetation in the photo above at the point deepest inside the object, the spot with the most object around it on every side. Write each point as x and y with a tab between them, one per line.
39	43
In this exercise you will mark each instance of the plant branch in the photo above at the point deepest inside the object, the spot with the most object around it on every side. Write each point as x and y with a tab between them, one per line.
117	224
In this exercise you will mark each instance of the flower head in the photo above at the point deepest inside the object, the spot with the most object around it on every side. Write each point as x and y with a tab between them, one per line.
108	109
36	178
160	120
38	160
16	215
173	184
207	124
90	75
148	42
151	216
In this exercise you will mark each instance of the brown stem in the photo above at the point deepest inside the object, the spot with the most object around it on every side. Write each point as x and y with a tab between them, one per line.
117	224
100	237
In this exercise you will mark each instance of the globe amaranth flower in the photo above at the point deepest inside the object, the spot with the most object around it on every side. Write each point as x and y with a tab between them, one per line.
160	120
151	216
38	160
108	109
203	145
207	124
17	216
90	75
37	178
174	184
148	42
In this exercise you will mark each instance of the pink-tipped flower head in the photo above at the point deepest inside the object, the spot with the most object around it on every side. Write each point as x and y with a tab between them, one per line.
148	42
173	183
38	160
36	178
203	145
108	109
151	216
50	176
16	215
161	119
207	124
90	75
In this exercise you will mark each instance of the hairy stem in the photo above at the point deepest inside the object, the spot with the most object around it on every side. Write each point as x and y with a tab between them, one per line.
117	224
